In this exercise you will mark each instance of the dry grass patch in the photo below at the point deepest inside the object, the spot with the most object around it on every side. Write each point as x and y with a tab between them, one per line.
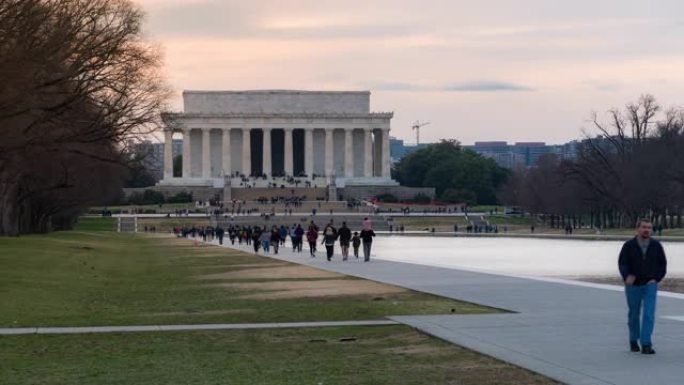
310	289
282	271
202	312
240	265
420	350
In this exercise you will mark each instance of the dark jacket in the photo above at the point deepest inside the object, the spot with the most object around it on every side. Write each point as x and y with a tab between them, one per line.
367	236
345	234
645	267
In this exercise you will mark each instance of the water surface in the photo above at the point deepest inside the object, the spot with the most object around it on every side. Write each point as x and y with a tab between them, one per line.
516	256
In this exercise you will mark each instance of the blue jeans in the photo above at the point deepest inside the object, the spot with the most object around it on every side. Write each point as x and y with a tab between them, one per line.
636	295
265	245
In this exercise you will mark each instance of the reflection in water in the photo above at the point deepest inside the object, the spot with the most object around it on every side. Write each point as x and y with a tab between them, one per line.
534	257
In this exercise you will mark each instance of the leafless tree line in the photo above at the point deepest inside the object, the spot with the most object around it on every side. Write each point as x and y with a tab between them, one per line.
77	82
633	168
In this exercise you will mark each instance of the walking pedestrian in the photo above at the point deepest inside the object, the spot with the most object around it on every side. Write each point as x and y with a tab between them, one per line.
299	237
275	239
345	237
329	238
642	265
367	240
356	242
265	238
219	234
283	234
256	235
312	237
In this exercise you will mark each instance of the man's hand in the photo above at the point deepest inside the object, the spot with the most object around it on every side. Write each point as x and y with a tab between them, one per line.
629	281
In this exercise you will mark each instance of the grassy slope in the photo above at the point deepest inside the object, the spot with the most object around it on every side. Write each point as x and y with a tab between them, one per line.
380	355
105	278
89	278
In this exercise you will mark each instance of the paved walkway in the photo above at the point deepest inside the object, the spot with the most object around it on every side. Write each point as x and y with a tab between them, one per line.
576	334
175	328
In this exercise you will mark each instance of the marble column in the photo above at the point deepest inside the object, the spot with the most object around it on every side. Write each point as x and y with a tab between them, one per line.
329	160
348	152
289	170
225	152
385	153
308	152
246	152
206	154
368	152
168	154
187	156
266	148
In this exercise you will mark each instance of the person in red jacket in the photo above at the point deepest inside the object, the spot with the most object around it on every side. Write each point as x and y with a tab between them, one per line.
312	237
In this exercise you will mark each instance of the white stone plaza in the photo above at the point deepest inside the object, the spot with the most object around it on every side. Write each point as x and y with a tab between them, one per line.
251	138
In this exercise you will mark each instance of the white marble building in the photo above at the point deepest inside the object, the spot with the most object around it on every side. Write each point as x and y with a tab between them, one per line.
229	135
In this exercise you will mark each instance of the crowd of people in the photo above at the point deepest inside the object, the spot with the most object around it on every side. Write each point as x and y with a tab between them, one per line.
265	238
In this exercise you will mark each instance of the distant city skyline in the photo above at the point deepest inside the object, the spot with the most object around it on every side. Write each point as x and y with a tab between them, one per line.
495	70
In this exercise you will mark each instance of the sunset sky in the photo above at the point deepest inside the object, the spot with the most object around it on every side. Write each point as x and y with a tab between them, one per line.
513	70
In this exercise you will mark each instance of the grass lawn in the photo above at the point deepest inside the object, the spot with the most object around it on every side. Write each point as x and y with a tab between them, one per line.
96	224
107	278
379	355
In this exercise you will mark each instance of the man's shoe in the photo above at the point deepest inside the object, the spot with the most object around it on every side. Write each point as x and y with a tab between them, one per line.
634	346
647	349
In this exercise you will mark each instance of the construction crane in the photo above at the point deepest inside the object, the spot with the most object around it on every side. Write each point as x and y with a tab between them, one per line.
416	126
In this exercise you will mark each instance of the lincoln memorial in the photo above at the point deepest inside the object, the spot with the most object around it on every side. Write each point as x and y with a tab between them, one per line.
248	138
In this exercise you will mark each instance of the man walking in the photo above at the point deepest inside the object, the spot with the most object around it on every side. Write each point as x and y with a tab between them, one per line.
345	237
643	265
367	240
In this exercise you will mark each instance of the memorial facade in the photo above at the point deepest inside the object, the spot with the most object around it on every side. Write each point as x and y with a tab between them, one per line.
314	136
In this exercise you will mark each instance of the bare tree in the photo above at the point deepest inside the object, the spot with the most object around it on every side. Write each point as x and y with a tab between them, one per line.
78	82
629	170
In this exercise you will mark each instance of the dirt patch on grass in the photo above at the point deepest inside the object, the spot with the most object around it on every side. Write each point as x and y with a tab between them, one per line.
273	272
202	312
421	350
310	289
239	265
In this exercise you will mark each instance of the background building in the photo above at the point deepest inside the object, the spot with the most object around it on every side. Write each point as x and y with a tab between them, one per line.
152	155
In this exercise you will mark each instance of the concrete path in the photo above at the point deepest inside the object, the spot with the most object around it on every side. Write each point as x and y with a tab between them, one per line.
174	328
576	334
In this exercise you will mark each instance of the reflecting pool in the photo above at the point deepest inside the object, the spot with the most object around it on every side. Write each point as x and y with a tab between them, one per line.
516	256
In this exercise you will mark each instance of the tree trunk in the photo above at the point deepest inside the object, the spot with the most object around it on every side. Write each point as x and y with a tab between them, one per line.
9	210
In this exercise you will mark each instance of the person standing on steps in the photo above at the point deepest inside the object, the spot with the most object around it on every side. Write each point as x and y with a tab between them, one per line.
642	265
329	238
367	240
345	237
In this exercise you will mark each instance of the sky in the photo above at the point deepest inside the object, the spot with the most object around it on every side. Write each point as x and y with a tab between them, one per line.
510	70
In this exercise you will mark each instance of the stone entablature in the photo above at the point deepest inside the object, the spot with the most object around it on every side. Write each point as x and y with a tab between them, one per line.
299	120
